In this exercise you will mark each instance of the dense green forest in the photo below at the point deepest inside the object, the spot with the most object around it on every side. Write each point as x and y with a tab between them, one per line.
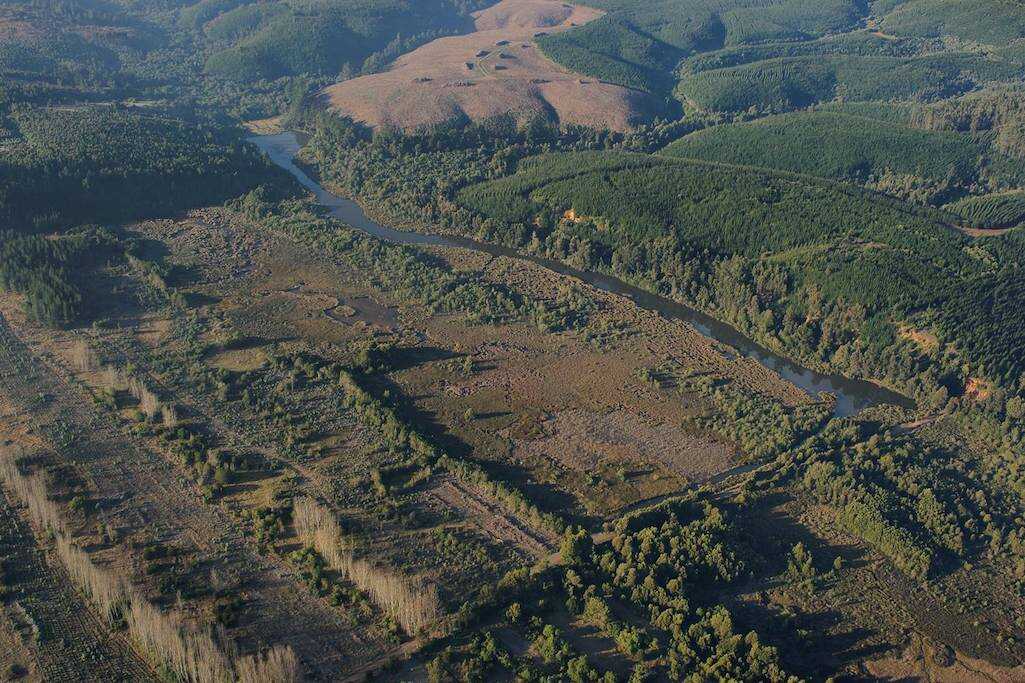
769	251
992	211
997	114
52	273
992	22
106	163
639	43
613	51
859	43
254	41
728	210
835	144
648	45
787	83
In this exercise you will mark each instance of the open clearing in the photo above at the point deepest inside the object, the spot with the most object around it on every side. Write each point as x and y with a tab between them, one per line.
495	70
143	497
50	619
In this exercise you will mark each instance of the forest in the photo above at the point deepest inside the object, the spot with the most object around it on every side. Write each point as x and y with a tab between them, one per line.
982	22
803	250
795	241
786	83
255	41
52	274
638	44
247	442
106	163
850	146
1003	210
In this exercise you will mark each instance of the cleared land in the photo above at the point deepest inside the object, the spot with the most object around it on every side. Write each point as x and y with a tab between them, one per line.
282	295
50	619
145	500
495	70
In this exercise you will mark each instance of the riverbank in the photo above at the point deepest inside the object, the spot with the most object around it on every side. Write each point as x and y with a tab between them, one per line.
851	395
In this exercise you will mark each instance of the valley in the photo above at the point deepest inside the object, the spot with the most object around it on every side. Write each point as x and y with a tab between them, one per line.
527	340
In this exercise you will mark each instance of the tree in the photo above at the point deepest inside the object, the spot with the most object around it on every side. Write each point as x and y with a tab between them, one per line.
1015	408
579	671
437	668
799	565
576	547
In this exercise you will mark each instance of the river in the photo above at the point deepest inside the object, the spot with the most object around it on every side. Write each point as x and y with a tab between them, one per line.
852	395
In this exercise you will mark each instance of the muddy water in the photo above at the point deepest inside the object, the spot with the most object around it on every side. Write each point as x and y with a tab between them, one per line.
852	395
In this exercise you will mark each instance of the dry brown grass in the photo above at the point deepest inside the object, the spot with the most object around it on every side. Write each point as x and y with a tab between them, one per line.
116	379
277	665
169	416
412	604
83	357
149	404
113	379
434	83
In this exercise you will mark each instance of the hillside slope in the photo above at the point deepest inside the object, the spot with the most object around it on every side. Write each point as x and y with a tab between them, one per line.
494	70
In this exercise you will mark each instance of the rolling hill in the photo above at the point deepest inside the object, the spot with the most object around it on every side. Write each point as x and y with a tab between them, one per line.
493	71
